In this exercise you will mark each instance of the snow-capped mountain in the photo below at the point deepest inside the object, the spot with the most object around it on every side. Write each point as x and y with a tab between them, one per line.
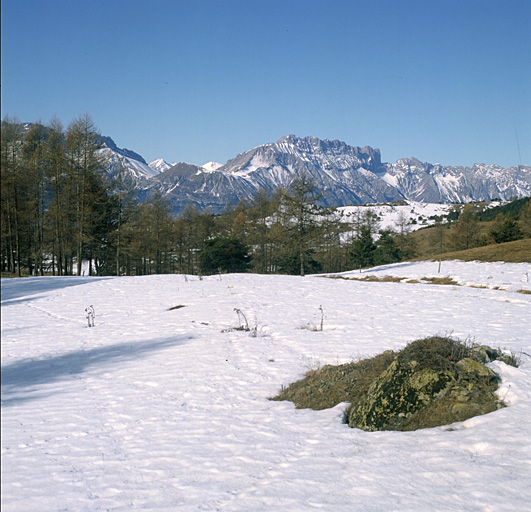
137	170
132	168
107	142
160	165
212	166
344	174
435	183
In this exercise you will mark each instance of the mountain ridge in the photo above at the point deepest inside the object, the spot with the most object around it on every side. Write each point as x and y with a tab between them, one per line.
345	174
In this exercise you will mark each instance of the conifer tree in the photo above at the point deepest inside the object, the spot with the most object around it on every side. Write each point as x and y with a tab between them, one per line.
525	219
363	249
505	229
34	196
403	241
56	219
387	250
300	220
224	254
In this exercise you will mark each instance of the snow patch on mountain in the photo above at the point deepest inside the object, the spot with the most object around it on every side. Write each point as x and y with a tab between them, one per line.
346	175
212	166
135	168
160	165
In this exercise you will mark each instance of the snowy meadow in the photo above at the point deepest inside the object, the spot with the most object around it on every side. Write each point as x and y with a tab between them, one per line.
164	403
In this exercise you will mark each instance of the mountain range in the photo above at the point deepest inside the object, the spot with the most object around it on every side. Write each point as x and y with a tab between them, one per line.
344	174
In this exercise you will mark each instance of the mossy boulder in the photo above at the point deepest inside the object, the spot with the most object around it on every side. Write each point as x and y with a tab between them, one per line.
408	397
434	381
331	385
396	395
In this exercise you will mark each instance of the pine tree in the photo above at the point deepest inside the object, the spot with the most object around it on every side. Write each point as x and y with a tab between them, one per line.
525	220
224	254
387	250
438	238
404	242
56	220
506	229
35	196
363	250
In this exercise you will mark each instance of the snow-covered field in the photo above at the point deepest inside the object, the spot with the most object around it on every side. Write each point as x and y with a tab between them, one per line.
154	409
389	214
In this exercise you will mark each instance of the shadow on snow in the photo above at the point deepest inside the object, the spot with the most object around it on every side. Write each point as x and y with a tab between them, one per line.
20	381
23	287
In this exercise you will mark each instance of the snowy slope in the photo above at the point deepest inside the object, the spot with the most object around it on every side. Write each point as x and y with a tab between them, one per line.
137	169
389	214
212	166
160	165
161	410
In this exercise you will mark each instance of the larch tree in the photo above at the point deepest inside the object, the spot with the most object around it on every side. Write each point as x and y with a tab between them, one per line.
300	219
11	207
84	162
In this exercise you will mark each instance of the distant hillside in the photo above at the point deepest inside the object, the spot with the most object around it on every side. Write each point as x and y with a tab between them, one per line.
518	251
513	209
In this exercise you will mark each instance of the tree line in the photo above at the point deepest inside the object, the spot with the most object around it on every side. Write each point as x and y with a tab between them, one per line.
475	225
62	213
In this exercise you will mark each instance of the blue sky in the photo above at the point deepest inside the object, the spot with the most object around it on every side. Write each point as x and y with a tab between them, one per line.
198	80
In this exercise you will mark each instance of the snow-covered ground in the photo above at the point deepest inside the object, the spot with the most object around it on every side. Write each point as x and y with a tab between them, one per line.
416	213
154	409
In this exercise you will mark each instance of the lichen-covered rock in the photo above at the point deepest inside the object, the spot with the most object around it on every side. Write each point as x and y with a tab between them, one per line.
470	368
484	353
432	381
396	395
408	396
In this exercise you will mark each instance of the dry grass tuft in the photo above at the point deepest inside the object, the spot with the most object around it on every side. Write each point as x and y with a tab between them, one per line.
440	280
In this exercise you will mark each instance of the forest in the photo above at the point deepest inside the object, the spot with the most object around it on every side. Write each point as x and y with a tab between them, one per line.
62	213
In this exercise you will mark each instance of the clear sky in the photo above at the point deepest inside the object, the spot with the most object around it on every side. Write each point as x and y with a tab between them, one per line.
446	81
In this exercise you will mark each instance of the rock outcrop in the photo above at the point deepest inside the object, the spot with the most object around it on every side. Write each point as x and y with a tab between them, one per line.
431	382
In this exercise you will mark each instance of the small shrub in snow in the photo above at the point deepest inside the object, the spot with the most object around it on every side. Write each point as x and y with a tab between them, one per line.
91	314
243	324
311	326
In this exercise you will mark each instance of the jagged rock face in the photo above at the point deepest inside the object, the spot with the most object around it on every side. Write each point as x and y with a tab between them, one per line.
429	183
345	175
